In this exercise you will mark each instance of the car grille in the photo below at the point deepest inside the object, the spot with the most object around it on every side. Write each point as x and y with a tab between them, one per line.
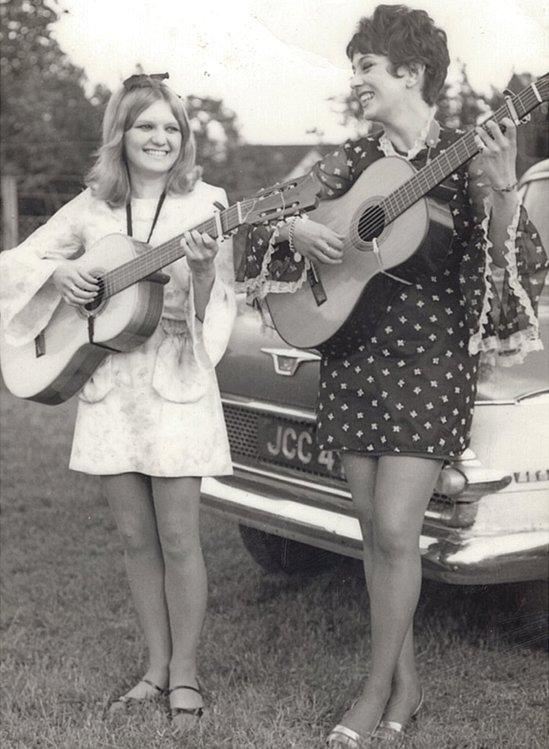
242	428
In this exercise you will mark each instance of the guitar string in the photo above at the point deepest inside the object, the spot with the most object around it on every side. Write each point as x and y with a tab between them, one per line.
373	220
135	269
412	190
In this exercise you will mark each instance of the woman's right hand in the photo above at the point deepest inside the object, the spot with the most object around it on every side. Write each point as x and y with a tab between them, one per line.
76	285
317	242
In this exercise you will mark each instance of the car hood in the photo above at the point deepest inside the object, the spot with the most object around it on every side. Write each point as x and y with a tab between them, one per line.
248	367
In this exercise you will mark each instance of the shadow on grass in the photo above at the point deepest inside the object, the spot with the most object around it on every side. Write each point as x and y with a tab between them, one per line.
506	615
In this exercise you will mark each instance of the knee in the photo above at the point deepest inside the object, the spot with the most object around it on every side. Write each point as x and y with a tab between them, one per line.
394	540
137	539
178	545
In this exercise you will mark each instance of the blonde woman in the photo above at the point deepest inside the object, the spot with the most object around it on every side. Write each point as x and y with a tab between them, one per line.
150	421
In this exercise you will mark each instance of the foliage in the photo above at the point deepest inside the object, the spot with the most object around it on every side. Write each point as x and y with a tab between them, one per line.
217	138
50	126
459	106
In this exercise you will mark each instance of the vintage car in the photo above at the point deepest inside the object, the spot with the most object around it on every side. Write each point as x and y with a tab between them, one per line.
487	521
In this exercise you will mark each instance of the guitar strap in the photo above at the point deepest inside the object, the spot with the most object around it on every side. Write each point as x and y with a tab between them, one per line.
129	222
129	229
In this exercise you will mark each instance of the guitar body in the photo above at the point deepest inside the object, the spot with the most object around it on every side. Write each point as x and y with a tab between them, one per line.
298	317
126	312
121	322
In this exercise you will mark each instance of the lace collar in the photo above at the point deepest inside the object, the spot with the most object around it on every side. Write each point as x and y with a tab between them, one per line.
429	136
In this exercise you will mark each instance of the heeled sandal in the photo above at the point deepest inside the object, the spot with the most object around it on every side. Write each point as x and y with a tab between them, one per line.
342	737
388	728
196	712
125	700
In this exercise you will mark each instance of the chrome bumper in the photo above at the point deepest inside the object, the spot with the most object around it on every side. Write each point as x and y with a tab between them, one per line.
450	555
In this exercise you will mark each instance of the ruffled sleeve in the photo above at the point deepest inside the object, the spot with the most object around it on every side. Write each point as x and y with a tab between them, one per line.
501	304
28	296
211	336
267	266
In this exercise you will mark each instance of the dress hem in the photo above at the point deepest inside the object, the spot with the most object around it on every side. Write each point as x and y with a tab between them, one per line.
110	472
396	454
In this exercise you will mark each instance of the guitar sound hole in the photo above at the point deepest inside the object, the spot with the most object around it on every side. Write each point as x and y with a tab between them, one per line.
371	223
97	302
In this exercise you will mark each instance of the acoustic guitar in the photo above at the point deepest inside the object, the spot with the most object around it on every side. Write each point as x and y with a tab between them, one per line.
128	307
384	218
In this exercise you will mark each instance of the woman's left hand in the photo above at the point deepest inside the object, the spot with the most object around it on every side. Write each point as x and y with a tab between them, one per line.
200	251
498	153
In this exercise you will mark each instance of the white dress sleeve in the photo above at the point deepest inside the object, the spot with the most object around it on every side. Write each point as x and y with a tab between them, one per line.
210	337
28	296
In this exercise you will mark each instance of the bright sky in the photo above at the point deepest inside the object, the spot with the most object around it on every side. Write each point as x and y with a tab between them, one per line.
276	62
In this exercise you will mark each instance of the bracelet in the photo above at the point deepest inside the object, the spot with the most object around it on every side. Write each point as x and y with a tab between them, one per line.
291	229
507	188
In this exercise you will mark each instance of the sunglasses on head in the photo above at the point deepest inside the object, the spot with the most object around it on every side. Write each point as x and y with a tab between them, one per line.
140	80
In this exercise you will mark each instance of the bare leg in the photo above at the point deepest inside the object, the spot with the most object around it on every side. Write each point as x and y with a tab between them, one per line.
361	474
129	497
403	487
176	502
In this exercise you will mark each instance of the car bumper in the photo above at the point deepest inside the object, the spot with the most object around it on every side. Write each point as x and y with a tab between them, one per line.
327	520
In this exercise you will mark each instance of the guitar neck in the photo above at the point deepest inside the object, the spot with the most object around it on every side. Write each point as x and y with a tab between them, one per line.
450	159
157	258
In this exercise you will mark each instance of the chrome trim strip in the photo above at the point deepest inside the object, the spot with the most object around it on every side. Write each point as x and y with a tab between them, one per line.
481	549
294	481
269	408
338	525
533	394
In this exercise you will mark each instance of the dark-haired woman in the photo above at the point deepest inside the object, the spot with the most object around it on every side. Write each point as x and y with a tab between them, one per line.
149	422
397	382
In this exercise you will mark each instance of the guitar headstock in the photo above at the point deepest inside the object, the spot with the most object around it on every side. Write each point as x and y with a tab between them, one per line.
281	200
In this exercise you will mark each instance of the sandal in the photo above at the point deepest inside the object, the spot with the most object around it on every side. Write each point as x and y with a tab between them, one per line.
342	737
196	712
127	699
389	728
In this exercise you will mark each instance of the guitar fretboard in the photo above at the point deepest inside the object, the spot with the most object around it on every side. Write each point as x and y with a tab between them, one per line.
153	260
449	160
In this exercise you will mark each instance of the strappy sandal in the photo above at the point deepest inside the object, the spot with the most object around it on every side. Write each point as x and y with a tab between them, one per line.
124	701
342	737
196	712
391	729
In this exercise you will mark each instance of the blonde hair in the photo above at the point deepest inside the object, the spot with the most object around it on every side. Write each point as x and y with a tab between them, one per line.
108	178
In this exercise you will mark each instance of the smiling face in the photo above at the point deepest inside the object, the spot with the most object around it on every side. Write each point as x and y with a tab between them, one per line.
380	93
152	144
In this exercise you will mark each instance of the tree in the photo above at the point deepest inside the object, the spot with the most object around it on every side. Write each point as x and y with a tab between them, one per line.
459	105
217	140
50	127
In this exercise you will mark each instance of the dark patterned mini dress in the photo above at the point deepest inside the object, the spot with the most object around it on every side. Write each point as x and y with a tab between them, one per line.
399	377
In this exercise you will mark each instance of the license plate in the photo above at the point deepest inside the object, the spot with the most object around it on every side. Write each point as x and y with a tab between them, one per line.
295	446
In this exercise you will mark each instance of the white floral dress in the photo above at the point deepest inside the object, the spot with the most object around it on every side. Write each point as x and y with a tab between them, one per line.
155	410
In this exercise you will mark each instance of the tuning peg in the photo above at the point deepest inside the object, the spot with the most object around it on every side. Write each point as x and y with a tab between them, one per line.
219	205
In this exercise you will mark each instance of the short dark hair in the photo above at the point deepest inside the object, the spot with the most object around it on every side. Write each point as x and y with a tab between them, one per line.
405	36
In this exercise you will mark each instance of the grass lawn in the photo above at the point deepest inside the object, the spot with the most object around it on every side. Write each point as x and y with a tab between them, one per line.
281	657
